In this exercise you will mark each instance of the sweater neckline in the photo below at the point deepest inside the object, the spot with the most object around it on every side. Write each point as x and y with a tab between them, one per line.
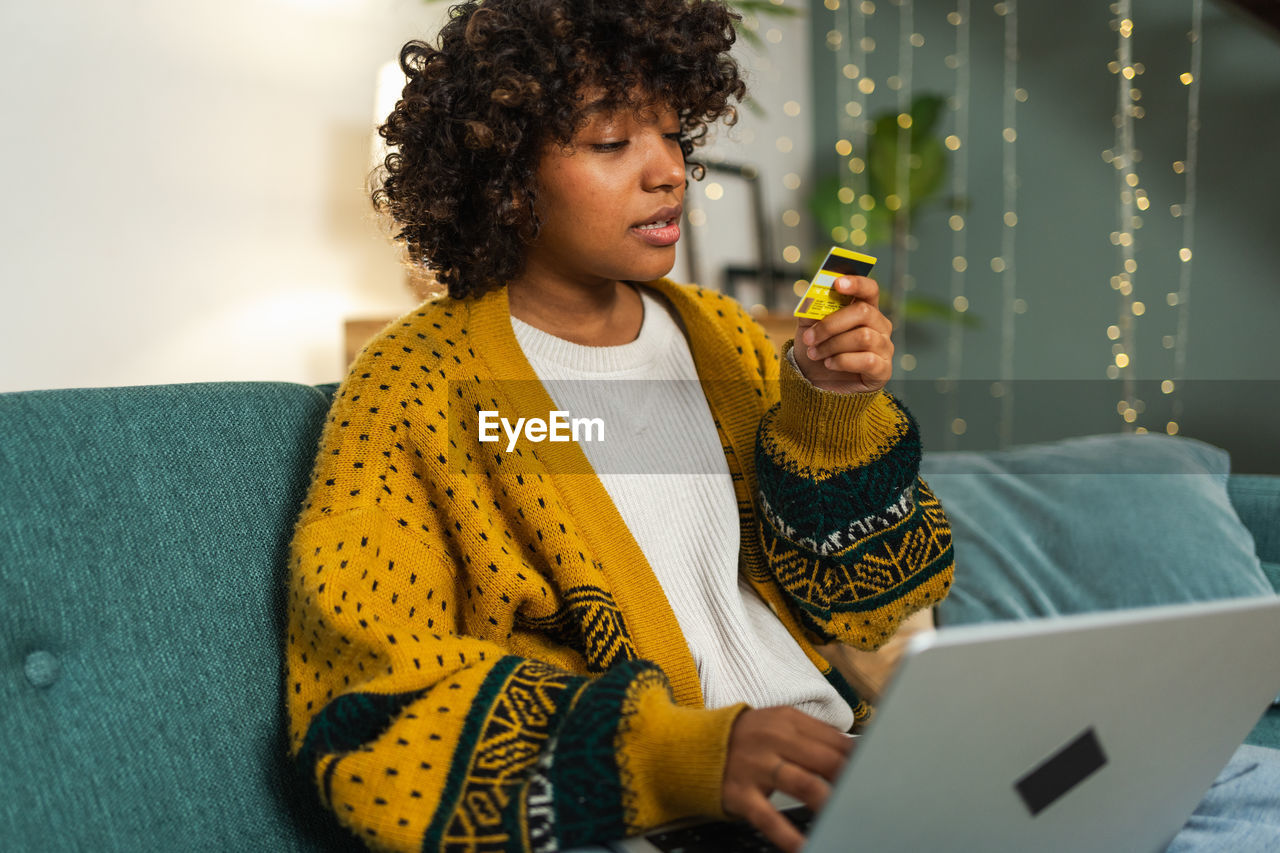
657	330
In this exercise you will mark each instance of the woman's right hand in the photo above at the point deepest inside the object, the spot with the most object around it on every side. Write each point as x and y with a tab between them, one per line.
780	749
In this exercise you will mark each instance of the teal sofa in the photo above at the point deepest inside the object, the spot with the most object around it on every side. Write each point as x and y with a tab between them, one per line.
143	534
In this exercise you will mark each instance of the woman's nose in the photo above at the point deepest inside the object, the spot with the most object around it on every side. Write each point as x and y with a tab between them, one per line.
664	168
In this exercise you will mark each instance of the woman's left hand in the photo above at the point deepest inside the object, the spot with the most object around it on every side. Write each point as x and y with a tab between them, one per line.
850	350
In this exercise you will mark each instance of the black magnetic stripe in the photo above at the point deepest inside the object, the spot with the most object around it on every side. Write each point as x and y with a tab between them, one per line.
845	266
1061	772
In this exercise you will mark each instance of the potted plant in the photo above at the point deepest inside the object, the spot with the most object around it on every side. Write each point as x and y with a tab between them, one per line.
886	197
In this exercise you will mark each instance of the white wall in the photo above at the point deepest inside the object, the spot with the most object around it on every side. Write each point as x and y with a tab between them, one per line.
184	184
184	187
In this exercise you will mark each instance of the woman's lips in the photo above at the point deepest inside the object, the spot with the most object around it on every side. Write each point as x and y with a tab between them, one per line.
659	234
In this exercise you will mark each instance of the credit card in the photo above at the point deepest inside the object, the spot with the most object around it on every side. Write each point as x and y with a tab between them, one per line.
821	298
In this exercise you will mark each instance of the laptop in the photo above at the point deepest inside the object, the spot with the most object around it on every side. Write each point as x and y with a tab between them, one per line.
1099	731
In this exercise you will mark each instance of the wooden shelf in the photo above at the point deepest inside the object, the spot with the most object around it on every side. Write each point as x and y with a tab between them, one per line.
358	332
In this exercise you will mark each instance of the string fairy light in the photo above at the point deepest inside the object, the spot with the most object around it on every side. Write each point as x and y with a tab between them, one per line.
849	40
860	85
1004	265
784	144
848	122
958	143
791	180
860	47
1186	211
899	202
1131	198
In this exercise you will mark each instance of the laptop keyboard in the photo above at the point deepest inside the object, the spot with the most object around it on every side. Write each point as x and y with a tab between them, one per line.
723	836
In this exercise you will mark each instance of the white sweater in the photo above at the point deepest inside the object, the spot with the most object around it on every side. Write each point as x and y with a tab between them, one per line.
661	462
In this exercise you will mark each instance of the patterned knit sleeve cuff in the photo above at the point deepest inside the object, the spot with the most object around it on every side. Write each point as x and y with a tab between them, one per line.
673	759
826	431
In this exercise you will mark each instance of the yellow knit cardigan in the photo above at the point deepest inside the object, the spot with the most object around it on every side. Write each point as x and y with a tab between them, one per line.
478	654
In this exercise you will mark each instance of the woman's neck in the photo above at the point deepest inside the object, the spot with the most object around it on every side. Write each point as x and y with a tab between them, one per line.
600	317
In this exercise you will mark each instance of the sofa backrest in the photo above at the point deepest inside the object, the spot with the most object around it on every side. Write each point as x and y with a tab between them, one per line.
1256	498
143	534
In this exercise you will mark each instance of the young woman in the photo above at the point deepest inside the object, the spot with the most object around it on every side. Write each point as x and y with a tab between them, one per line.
500	640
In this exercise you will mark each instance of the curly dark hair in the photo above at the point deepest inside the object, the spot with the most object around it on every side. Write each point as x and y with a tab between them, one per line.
506	81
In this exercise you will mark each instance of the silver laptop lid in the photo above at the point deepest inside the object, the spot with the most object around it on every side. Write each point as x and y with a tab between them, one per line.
1093	732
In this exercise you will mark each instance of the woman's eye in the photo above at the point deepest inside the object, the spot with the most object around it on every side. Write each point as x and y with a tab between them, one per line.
608	146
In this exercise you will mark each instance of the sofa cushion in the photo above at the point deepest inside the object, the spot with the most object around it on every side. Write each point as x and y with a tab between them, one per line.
1091	523
143	534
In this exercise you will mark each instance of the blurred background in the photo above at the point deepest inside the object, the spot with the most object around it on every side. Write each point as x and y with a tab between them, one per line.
1073	205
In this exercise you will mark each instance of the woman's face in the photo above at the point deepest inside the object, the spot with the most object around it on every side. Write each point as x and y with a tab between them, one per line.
610	202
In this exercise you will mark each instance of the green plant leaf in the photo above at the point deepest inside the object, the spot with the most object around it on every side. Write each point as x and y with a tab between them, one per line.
925	111
829	213
926	163
927	166
882	157
879	225
825	205
928	170
931	308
